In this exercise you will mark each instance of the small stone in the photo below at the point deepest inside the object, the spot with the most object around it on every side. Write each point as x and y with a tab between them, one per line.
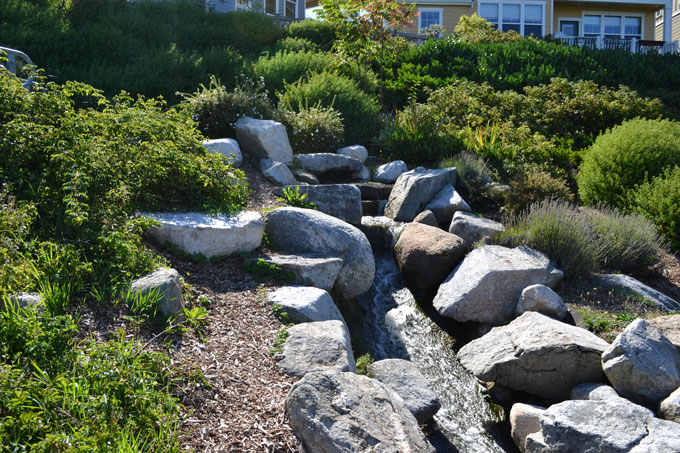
669	408
228	147
264	139
317	271
446	203
306	304
279	174
388	173
357	152
165	282
542	299
427	218
525	419
595	391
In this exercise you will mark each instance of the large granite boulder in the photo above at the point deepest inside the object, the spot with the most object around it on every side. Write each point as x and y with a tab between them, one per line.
388	173
426	255
524	419
317	346
297	230
542	299
626	284
165	284
320	163
473	228
306	304
228	147
277	173
414	189
317	271
536	354
404	379
642	364
485	287
446	203
206	235
334	412
265	139
357	152
669	326
602	426
338	200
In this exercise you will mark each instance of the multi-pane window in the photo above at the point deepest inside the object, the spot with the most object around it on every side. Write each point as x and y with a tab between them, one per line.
291	6
612	27
430	17
525	19
633	27
592	25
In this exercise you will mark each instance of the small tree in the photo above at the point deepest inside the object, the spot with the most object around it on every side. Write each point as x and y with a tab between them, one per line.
365	27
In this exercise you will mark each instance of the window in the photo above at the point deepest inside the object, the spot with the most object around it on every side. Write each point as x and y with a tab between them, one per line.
612	27
429	16
291	6
592	25
270	6
633	27
569	27
525	19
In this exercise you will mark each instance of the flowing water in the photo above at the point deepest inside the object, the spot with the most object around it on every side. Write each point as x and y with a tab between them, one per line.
394	326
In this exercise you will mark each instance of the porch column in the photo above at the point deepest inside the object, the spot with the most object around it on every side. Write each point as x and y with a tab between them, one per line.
667	19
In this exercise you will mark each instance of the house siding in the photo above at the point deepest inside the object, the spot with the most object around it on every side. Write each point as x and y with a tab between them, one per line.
222	6
648	27
675	27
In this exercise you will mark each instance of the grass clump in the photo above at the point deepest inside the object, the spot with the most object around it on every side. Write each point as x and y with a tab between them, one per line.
314	129
262	270
293	197
473	174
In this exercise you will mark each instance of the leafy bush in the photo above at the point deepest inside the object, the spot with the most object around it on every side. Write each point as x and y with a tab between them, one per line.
216	109
621	158
313	129
288	67
359	110
473	174
318	32
15	222
535	185
474	29
658	200
291	44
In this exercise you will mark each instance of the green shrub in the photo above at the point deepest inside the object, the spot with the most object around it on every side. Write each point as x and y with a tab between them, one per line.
473	174
313	129
474	29
659	201
257	27
288	67
217	109
15	221
359	110
621	158
291	44
535	185
316	31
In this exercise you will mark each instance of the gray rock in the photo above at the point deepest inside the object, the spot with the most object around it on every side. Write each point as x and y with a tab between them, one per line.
320	163
669	327
335	412
414	190
628	285
296	230
317	271
536	354
446	203
165	283
473	228
220	235
542	299
485	287
374	191
265	139
388	173
306	177
228	147
338	200
662	436
426	255
669	408
642	364
306	304
279	174
595	391
382	232
317	346
427	218
362	176
404	379
524	419
357	152
25	300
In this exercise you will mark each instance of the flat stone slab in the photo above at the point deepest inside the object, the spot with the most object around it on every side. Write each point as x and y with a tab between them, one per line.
414	189
319	272
334	412
317	346
320	163
404	379
228	147
306	304
629	285
338	200
536	354
203	234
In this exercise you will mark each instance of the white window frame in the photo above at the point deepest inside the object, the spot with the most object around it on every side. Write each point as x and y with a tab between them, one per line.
522	5
295	10
623	21
572	19
430	10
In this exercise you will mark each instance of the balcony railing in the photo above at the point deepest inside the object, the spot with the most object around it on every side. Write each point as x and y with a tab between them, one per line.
12	55
633	45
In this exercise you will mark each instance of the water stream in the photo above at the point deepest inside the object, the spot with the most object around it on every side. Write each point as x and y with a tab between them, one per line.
394	326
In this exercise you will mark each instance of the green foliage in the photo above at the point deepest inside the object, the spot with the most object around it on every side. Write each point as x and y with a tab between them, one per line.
288	67
280	340
291	44
321	33
89	171
194	320
216	109
474	29
57	395
599	322
623	157
313	129
146	47
363	362
358	109
293	197
281	314
535	185
262	270
473	174
15	221
658	200
143	304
